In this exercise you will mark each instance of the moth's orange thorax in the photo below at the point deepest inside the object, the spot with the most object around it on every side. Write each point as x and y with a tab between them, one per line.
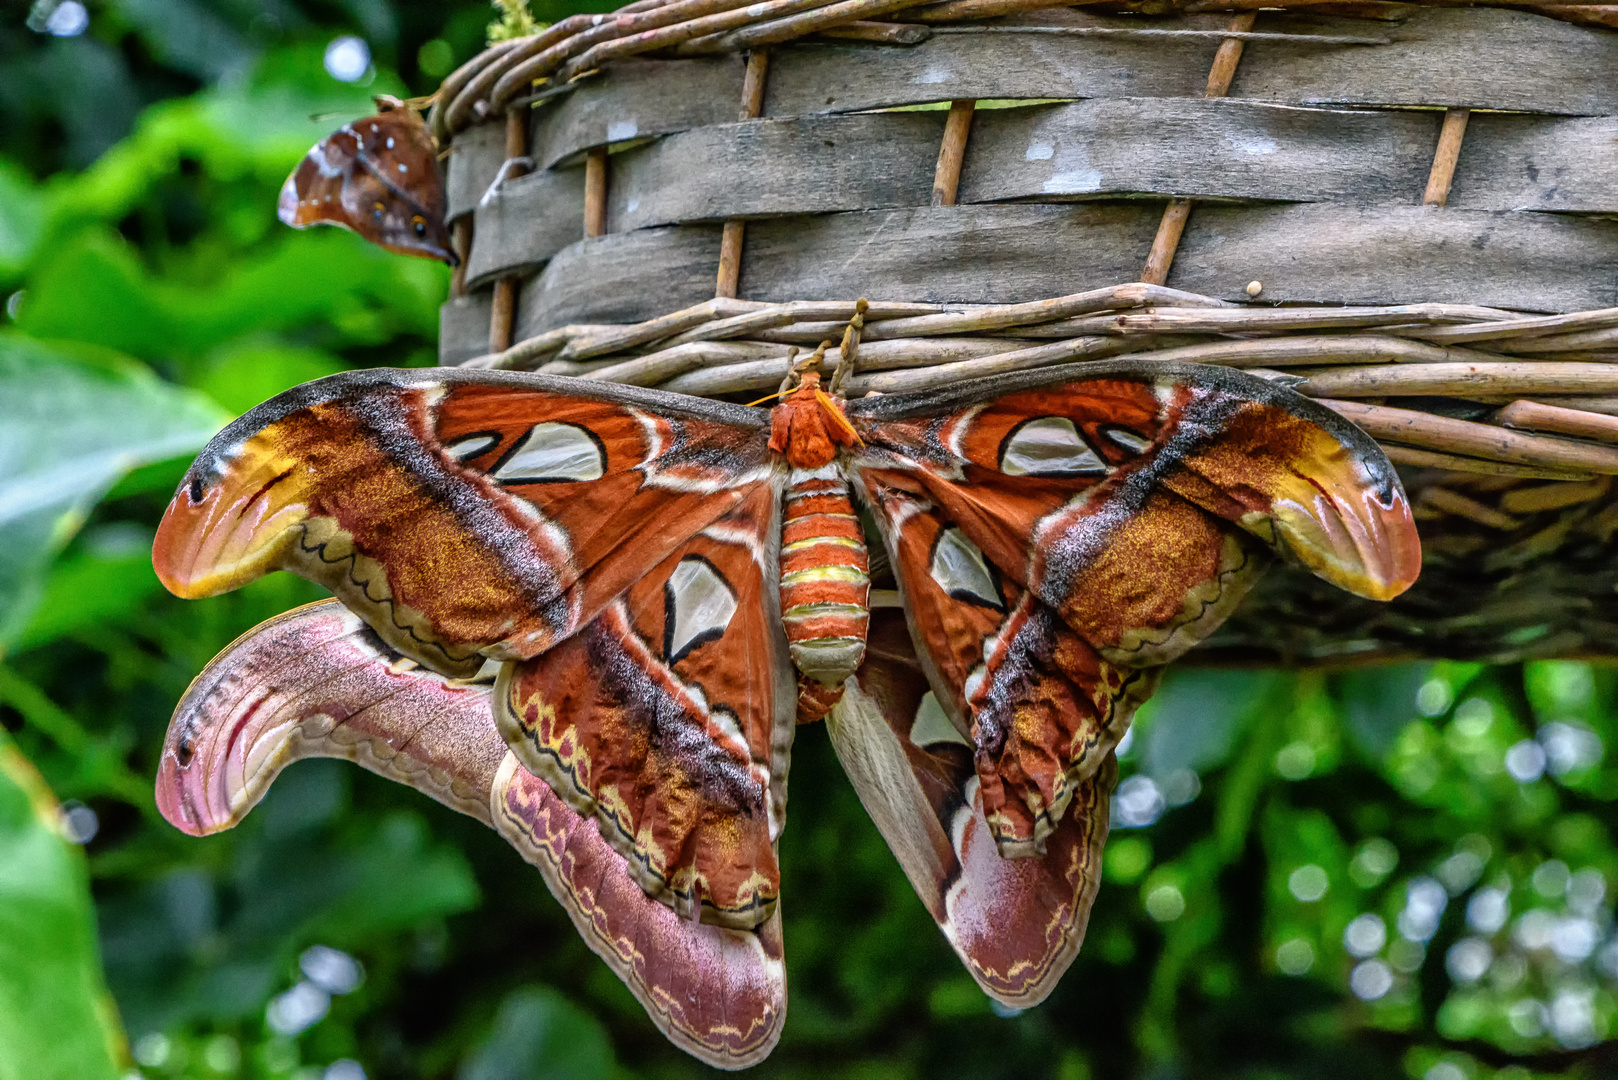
808	426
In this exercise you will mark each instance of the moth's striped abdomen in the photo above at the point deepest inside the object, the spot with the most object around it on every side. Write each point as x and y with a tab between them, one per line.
824	586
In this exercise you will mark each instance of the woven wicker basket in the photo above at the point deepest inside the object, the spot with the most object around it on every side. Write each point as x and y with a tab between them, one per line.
1403	210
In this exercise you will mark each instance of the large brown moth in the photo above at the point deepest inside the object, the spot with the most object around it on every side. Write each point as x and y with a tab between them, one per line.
632	597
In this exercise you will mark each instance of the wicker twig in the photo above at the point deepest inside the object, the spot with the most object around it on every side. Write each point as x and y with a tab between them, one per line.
667	363
1559	330
1458	463
621	338
1464	380
1445	157
792	26
884	33
1149	33
1452	502
1463	437
1533	416
1546	497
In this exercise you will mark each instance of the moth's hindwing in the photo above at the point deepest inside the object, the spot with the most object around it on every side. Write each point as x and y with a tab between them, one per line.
1016	923
316	682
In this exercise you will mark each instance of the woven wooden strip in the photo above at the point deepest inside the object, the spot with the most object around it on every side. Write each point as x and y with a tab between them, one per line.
1471	57
982	254
474	159
463	327
1476	57
638	99
1189	146
527	221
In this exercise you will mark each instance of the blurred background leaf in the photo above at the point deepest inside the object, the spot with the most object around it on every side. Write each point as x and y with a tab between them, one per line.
57	1021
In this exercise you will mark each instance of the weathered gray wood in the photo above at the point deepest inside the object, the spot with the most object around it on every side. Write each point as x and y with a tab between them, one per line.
1539	163
1011	253
1196	146
528	220
960	254
1051	153
808	78
1474	57
474	160
634	99
463	327
1356	255
622	278
765	167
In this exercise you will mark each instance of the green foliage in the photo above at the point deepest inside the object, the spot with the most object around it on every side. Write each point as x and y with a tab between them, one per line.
1378	872
56	1019
76	421
515	21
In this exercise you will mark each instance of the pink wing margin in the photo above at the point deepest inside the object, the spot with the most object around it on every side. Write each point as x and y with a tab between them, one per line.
1015	923
317	682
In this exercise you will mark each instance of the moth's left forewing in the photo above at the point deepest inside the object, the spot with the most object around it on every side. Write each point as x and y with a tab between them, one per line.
1015	923
463	514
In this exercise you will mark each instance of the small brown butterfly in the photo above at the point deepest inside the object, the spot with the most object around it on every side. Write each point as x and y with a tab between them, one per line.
377	176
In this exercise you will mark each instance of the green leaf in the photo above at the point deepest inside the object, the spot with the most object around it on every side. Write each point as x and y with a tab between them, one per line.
72	424
57	1021
540	1035
1195	720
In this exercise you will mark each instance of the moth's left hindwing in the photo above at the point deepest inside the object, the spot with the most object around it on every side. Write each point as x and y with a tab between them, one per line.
465	515
316	682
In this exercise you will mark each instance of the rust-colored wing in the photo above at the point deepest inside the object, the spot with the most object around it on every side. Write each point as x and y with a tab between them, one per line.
463	514
1054	530
670	717
316	682
1016	923
378	177
1038	704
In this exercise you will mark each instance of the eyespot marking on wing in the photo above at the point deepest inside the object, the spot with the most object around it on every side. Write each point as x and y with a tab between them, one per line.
960	570
553	452
698	605
477	444
1128	440
931	726
1048	446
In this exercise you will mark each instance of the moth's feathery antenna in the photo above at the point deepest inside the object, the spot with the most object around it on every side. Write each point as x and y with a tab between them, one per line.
850	347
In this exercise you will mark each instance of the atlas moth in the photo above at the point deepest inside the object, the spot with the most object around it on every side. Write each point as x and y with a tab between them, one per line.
592	616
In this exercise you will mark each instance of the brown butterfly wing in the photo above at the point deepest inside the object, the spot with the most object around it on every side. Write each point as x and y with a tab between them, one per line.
670	717
379	177
1104	520
1016	923
463	514
316	682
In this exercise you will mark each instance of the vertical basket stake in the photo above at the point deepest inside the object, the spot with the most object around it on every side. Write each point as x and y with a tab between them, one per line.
460	238
503	313
1445	157
952	151
730	240
1178	211
595	192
